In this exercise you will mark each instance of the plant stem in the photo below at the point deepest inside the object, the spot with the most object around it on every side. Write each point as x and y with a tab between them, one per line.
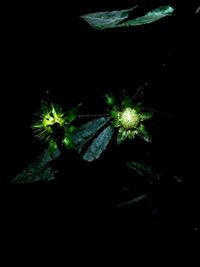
93	116
140	89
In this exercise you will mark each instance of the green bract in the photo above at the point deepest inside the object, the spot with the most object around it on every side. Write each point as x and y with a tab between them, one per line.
53	125
129	121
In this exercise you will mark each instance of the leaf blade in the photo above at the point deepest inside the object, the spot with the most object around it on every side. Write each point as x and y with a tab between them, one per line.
39	170
114	19
150	17
99	144
144	170
107	19
87	131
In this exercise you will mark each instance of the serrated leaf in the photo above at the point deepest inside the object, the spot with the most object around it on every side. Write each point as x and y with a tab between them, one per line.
40	170
115	19
87	131
99	144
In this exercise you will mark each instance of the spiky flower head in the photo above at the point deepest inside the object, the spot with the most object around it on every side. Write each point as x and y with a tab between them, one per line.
53	125
128	118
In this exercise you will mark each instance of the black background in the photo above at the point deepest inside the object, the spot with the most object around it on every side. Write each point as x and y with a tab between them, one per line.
52	54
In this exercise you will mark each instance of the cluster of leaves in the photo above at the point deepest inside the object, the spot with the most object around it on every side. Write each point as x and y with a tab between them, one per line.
124	120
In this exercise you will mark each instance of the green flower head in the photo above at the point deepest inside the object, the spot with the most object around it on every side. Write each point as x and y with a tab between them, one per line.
53	125
129	120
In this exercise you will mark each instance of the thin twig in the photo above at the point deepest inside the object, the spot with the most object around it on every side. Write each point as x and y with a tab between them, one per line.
140	89
157	111
93	116
133	202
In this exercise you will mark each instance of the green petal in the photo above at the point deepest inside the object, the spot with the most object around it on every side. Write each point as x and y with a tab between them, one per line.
129	134
127	102
110	100
68	142
132	134
52	146
121	130
71	117
71	114
114	114
138	106
115	124
71	129
121	137
142	132
145	115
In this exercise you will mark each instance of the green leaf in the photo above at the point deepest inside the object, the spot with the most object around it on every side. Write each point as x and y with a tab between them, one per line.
87	131
99	144
115	19
107	19
40	170
144	170
149	17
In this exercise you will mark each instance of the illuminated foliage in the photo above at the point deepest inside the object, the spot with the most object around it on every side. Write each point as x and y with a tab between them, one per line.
54	126
122	18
